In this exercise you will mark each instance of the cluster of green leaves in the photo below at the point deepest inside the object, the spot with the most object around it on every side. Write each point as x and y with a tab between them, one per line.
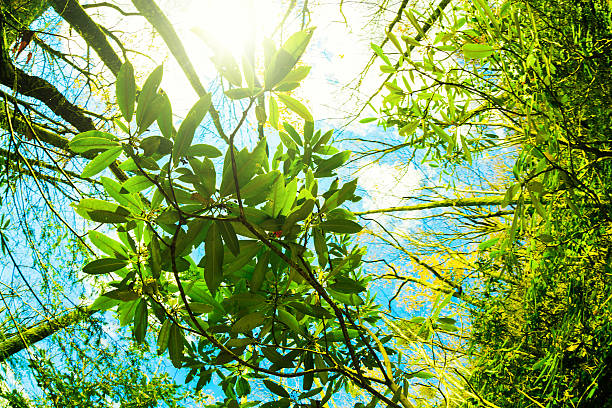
244	270
540	73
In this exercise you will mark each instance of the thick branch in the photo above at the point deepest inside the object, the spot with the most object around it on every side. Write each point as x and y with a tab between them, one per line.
35	87
457	202
24	339
156	17
73	13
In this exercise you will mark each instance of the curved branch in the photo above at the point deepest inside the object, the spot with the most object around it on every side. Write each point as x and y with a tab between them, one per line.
156	17
75	15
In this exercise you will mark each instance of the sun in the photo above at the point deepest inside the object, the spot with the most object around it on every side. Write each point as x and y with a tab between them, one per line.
232	24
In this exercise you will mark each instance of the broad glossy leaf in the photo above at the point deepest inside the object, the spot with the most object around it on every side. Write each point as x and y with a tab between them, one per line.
241	93
176	344
188	127
101	162
203	150
164	119
104	265
125	89
285	58
205	171
102	211
163	336
107	245
273	112
477	51
290	196
289	320
277	197
135	184
257	190
247	165
259	273
247	323
151	112
299	214
347	285
276	389
327	166
229	236
149	91
155	260
93	133
308	378
141	321
213	271
104	303
297	74
320	247
296	106
156	144
341	226
85	144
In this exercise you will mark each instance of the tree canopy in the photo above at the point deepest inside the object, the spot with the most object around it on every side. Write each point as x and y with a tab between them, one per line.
233	255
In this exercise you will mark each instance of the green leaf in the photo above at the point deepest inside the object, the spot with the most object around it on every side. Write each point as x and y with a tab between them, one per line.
213	245
141	321
125	89
148	93
241	93
276	389
415	23
247	323
135	184
347	285
309	377
102	211
487	244
477	51
107	245
156	144
299	214
85	144
273	108
296	106
176	342
242	388
164	336
327	166
341	226
298	74
259	273
203	150
290	196
320	247
247	164
379	51
113	189
164	118
197	307
277	197
188	127
289	320
285	58
422	374
104	265
257	190
104	303
155	259
101	161
229	236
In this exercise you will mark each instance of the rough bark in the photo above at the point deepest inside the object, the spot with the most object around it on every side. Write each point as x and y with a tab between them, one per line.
25	339
73	13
